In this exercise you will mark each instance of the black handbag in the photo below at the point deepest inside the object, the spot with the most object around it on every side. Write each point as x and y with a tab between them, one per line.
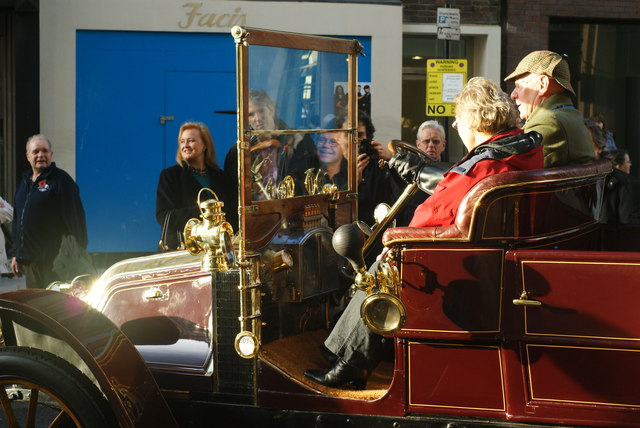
167	241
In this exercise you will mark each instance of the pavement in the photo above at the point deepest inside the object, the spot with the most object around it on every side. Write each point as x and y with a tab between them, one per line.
10	284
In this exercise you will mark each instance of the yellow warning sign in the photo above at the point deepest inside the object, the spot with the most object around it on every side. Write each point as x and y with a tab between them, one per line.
445	78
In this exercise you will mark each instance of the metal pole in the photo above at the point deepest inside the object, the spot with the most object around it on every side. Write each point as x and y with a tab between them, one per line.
447	47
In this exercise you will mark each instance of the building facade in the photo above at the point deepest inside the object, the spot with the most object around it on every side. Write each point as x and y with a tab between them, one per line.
97	77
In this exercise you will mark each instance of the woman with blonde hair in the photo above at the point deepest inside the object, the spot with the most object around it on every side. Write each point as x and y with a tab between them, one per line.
486	120
178	186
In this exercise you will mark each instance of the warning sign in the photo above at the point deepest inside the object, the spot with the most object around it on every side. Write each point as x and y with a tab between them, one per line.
445	78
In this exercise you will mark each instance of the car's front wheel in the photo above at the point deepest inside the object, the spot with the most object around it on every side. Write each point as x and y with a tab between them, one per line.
39	389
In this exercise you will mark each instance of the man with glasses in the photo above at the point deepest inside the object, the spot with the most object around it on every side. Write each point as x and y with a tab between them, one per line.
331	148
431	139
543	96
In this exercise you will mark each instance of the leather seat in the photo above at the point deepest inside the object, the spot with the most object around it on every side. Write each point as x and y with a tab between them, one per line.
521	207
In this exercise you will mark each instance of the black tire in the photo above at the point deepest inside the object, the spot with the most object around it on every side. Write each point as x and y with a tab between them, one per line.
70	394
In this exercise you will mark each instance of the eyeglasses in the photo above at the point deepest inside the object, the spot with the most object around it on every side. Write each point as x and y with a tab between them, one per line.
323	141
434	141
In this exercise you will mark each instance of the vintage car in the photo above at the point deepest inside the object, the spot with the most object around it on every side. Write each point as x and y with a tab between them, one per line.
522	313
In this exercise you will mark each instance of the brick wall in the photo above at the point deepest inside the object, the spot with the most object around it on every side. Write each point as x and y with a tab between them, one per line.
527	22
485	12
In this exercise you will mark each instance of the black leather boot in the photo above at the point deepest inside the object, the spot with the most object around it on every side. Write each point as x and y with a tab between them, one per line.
340	374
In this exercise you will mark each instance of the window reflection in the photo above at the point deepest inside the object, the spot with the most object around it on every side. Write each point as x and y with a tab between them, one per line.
333	148
293	90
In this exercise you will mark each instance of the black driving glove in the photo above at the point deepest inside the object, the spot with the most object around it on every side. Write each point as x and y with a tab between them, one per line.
407	165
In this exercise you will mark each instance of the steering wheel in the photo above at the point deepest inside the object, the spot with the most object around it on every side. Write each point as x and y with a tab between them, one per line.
394	145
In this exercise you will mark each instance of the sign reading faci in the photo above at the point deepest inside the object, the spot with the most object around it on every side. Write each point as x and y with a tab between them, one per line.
445	78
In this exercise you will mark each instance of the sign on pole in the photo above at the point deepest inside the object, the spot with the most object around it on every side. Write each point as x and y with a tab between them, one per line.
448	23
445	79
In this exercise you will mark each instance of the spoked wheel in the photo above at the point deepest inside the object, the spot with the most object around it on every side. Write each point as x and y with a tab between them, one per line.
38	389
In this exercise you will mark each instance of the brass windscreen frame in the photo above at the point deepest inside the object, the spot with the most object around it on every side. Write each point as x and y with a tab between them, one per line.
250	311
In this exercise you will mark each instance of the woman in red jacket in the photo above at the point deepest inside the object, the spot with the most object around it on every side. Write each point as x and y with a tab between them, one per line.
486	121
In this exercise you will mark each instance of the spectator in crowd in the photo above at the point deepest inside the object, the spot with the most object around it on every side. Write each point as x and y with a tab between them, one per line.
47	207
599	120
619	201
621	160
621	197
486	121
543	95
430	139
375	186
179	185
597	137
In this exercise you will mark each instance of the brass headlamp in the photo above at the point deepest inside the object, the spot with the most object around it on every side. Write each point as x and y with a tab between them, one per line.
383	311
212	235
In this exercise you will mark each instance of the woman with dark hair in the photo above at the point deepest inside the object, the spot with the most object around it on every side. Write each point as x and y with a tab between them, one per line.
179	185
339	101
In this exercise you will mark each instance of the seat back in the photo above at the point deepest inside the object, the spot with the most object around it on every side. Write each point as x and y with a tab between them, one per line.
522	207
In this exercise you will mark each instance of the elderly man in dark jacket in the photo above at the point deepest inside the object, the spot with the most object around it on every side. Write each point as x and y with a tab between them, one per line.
47	207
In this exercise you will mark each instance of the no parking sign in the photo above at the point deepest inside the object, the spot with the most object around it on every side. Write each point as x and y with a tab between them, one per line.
445	79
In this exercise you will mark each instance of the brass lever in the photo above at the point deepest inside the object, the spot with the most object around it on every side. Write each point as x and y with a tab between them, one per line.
153	293
525	301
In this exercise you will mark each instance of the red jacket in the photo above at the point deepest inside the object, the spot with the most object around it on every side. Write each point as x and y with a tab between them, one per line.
440	209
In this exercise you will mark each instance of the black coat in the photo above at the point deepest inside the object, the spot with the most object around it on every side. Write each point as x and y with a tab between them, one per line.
177	196
377	186
45	210
621	199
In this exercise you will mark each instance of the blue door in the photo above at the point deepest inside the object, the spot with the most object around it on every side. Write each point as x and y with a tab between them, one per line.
126	82
214	103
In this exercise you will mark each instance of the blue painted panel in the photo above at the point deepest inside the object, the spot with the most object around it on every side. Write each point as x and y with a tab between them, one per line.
217	110
121	93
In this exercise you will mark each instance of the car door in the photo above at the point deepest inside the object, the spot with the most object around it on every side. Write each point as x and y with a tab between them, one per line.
574	332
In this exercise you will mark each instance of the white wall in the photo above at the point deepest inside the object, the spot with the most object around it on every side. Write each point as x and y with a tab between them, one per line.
59	20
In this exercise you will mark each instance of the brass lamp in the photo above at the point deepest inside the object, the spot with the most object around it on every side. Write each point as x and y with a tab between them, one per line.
383	311
212	235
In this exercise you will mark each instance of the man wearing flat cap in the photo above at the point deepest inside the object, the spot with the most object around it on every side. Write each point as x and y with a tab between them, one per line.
543	96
